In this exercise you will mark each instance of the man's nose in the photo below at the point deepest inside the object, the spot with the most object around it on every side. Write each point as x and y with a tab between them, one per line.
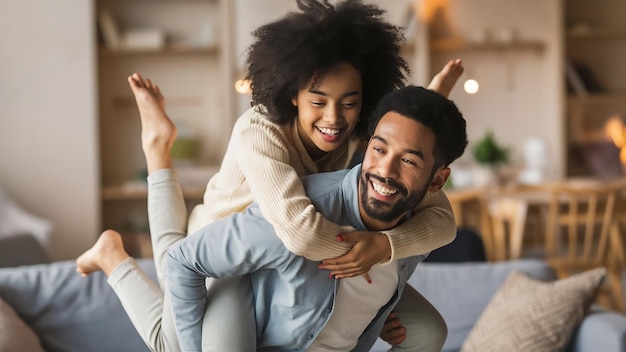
388	167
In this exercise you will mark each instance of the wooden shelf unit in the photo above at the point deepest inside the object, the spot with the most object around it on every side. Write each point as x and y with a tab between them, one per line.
594	37
194	75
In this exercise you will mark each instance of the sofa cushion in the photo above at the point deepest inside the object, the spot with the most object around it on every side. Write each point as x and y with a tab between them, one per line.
15	335
70	312
531	315
452	288
21	249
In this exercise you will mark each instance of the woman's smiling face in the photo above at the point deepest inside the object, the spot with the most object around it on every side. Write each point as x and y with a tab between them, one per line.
328	109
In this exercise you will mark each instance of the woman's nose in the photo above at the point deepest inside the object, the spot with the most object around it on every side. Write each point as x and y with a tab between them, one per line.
333	114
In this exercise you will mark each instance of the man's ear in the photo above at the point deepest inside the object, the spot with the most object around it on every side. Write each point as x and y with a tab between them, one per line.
439	179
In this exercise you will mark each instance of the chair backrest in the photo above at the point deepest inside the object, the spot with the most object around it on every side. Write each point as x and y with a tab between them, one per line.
582	233
578	221
507	216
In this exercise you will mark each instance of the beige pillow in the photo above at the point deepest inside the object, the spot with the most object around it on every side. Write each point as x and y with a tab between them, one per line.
530	315
15	335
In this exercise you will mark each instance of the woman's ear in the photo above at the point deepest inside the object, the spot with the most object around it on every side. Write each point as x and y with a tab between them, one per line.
439	179
294	101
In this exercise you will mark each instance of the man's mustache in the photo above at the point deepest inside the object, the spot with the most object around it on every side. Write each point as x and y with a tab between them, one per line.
389	181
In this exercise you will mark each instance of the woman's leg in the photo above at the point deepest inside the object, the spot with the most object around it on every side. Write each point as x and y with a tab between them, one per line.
142	299
140	296
444	80
425	328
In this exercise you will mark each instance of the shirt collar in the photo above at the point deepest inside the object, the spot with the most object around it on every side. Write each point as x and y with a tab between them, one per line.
350	189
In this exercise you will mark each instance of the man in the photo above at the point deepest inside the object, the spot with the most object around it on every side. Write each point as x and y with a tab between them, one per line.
418	133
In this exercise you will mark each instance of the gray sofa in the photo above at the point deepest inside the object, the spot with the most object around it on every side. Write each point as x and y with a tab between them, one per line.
70	313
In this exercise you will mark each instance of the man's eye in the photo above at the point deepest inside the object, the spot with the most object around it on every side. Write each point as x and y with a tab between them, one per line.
378	149
410	162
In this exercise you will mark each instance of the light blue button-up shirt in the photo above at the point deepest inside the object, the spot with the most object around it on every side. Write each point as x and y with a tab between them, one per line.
293	298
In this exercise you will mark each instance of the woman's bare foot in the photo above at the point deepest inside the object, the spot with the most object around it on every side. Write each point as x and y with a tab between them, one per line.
106	254
444	81
158	132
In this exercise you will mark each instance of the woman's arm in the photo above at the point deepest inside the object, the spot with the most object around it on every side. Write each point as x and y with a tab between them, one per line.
431	226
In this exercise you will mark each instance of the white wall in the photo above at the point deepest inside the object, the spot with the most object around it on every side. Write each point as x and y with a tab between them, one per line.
48	138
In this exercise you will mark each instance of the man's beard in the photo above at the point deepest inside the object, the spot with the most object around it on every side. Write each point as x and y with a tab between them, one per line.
386	212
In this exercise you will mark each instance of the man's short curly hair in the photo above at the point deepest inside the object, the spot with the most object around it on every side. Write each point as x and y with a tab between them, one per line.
289	52
432	110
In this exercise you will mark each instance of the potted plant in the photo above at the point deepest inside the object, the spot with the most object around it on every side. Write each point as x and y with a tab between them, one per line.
489	155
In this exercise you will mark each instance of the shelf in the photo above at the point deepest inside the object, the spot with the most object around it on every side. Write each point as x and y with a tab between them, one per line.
609	34
168	50
126	102
599	99
137	192
459	44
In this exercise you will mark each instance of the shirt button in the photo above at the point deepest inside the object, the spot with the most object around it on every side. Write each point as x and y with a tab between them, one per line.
328	310
310	337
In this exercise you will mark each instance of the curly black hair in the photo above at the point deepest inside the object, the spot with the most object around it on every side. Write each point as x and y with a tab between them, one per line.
434	111
289	52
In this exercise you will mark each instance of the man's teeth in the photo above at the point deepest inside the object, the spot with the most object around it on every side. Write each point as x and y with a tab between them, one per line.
329	131
383	190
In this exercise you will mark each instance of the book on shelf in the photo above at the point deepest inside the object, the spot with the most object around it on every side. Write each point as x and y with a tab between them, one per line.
580	79
109	29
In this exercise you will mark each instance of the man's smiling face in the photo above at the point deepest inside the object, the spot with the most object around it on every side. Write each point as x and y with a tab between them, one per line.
397	170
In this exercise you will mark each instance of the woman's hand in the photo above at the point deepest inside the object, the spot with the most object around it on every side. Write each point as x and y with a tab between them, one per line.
393	332
369	248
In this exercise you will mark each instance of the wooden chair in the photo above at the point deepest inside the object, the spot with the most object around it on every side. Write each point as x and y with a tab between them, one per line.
507	217
581	233
617	260
468	206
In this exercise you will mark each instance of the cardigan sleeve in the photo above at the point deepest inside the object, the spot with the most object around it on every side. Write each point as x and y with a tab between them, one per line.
431	226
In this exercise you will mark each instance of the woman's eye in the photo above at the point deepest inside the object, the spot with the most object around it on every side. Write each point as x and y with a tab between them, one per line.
317	103
350	105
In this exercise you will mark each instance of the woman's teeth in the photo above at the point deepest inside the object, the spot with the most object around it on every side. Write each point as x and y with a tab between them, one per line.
329	131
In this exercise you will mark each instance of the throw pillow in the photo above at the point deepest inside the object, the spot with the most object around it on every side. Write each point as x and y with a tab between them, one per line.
530	315
15	335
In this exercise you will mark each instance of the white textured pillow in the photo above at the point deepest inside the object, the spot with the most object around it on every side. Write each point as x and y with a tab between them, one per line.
530	315
15	335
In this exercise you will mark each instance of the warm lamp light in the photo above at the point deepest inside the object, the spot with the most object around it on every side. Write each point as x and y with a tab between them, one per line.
471	86
243	86
425	10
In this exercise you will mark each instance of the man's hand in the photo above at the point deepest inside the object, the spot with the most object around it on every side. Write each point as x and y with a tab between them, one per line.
369	248
393	332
